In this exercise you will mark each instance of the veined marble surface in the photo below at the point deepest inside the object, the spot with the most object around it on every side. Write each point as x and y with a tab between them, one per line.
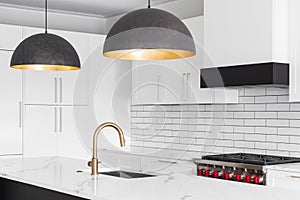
292	167
60	174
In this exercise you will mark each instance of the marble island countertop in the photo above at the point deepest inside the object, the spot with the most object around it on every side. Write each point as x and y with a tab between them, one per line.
60	174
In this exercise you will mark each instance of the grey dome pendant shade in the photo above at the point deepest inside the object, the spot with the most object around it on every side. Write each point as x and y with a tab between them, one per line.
45	51
149	34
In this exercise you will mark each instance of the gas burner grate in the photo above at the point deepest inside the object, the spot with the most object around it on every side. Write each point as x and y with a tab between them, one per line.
255	159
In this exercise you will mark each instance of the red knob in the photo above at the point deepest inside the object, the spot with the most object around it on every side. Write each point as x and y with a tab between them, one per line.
248	179
226	176
207	172
200	172
238	177
258	179
216	174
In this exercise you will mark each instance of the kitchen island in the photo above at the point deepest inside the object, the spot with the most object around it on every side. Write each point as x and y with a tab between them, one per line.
72	177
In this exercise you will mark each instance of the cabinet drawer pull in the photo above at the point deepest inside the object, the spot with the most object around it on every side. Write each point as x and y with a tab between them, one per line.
293	176
158	85
55	90
20	114
183	87
55	119
187	86
167	161
61	88
60	119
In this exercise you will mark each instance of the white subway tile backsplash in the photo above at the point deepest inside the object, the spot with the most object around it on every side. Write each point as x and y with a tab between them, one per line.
289	147
278	107
255	137
266	99
244	144
243	129
246	100
255	107
265	145
262	122
277	138
255	91
295	123
277	122
266	130
265	115
243	114
277	91
289	115
255	122
289	131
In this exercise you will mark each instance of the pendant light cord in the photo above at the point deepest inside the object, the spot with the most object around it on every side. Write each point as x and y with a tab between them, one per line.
149	6
46	16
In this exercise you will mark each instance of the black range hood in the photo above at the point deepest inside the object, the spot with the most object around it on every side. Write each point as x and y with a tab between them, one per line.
264	74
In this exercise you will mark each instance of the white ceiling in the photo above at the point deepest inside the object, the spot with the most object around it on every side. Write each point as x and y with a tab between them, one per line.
103	8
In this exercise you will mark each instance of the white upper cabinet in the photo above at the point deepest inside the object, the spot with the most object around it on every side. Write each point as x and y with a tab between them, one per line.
62	88
73	85
54	131
10	107
294	51
242	32
10	36
177	81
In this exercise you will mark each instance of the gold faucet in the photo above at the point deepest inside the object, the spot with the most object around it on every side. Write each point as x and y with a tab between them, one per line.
94	162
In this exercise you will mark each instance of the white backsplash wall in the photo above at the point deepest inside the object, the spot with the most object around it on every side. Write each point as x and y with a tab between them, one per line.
263	122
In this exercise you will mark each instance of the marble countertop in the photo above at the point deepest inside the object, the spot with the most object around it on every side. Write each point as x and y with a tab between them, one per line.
292	167
60	174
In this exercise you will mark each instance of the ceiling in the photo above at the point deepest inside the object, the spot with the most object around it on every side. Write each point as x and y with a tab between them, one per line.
101	8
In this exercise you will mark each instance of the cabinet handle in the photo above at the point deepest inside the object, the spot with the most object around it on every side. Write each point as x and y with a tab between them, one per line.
183	87
293	176
55	90
55	119
61	88
187	86
60	120
20	114
158	84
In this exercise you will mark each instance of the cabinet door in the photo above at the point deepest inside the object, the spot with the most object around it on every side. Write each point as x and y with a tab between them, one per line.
40	87
73	85
10	106
40	133
294	51
71	131
10	36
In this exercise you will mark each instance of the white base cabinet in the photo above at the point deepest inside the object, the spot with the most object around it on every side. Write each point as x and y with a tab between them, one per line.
10	107
51	131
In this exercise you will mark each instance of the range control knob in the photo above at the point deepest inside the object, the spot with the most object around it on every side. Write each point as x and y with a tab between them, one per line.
258	179
238	177
200	172
217	174
248	179
208	173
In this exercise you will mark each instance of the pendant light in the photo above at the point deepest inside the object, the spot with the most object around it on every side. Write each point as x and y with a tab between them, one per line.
45	51
149	34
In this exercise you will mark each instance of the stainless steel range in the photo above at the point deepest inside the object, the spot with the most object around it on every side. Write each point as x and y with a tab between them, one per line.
241	167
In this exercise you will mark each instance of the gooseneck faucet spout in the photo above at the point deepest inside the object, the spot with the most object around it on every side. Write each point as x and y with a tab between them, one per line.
94	162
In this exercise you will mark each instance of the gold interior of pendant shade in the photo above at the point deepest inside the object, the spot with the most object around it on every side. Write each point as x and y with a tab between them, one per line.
149	54
46	67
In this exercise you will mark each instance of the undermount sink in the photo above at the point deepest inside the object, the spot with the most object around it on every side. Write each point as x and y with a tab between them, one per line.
124	174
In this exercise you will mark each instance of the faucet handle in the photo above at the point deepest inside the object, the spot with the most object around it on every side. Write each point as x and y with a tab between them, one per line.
90	163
